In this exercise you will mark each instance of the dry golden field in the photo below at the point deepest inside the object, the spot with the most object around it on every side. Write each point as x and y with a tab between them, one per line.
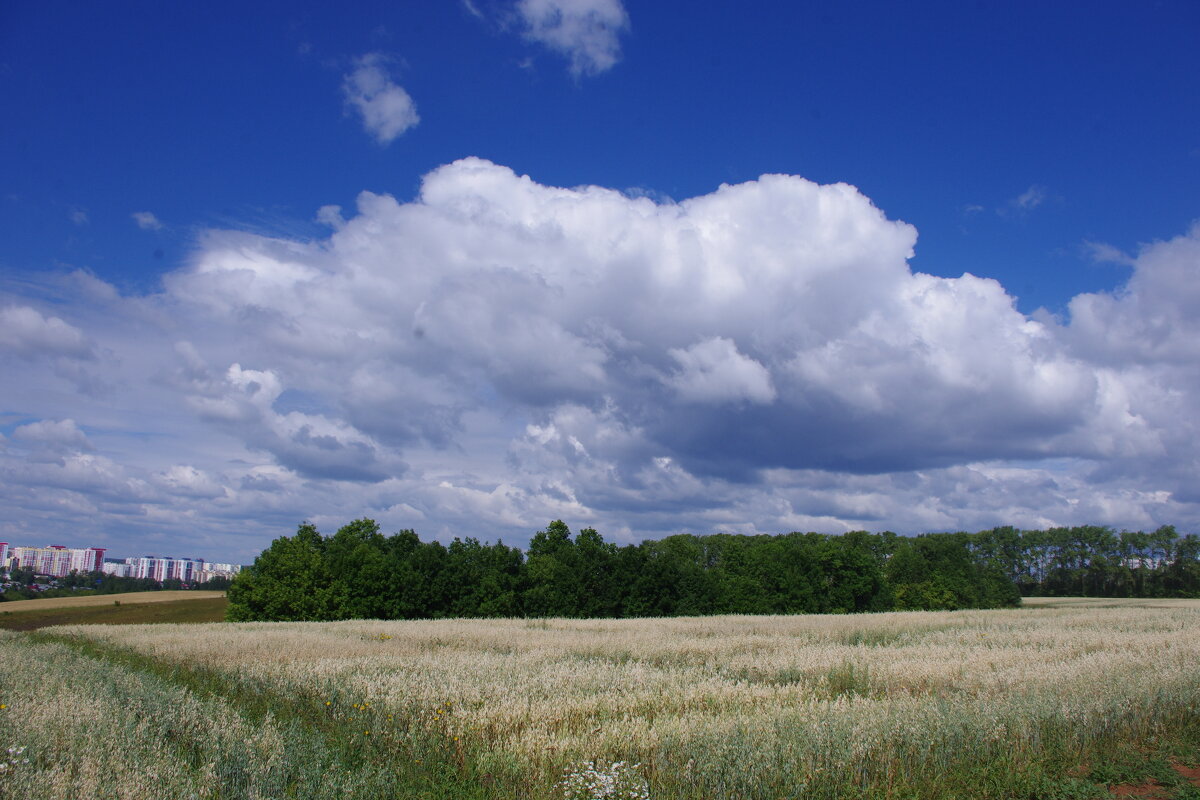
124	598
888	705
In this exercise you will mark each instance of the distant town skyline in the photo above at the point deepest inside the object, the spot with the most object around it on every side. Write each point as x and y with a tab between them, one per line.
469	267
59	561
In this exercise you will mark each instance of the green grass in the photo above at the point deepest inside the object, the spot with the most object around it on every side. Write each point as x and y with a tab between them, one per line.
117	613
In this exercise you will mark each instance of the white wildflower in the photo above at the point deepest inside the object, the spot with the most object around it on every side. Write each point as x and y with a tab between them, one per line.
14	758
591	780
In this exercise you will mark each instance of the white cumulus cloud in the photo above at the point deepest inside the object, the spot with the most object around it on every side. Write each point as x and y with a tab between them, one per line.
26	332
53	433
496	352
385	108
714	371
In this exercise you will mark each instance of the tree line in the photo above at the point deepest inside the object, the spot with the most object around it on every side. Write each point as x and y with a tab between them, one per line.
1094	561
358	572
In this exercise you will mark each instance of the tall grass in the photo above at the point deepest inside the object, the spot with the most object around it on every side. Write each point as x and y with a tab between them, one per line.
947	704
119	726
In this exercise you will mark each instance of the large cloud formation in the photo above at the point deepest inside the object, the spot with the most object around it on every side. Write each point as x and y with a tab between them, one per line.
496	353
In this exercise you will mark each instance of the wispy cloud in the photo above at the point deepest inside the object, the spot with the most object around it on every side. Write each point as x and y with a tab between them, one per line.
146	221
1103	253
1028	200
386	109
586	32
1031	198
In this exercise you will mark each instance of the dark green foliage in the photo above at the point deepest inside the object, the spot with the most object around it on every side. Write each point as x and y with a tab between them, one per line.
1133	767
360	573
939	571
290	580
555	571
1042	787
22	575
218	583
1094	561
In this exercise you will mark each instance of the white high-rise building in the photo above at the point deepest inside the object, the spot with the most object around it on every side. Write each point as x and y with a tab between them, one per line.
160	569
56	560
118	568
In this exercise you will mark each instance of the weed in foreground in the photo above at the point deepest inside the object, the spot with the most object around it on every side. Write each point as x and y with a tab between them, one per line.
14	760
593	780
1046	788
1134	768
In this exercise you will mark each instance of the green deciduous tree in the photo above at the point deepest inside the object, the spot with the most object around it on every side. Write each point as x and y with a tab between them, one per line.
290	580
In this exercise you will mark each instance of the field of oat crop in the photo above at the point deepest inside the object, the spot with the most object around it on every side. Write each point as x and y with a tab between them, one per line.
1034	702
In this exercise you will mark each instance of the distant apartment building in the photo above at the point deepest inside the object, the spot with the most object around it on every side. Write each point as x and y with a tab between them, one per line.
188	570
86	560
164	568
117	567
212	570
56	560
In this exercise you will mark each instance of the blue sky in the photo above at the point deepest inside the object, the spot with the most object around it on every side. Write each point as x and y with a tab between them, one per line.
200	350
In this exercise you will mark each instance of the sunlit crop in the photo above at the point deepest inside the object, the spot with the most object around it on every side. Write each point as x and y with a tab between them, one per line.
744	707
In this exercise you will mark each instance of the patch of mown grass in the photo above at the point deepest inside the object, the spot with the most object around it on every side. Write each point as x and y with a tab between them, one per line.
178	611
417	765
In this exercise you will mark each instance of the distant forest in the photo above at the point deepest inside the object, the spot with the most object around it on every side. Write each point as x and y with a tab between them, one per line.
360	573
